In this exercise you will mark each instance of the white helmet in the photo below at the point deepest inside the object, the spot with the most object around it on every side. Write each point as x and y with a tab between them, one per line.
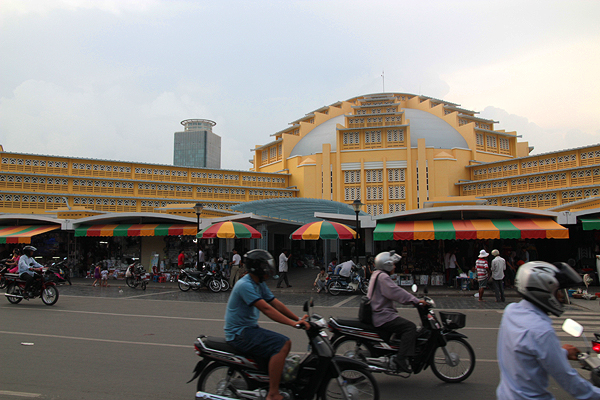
386	260
538	282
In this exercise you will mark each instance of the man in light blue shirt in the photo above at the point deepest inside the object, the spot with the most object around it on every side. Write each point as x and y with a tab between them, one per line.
528	348
249	297
27	268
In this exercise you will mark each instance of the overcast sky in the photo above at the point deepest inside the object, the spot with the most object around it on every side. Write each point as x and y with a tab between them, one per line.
113	79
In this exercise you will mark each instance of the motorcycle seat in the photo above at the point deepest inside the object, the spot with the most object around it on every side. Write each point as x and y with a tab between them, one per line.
355	323
220	344
11	276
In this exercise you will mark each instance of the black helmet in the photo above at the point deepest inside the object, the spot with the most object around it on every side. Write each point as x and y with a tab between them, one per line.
259	262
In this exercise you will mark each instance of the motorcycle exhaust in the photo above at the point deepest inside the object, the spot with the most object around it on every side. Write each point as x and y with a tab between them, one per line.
14	295
194	284
210	396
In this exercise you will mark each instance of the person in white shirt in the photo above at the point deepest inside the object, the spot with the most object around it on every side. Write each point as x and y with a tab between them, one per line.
283	268
497	269
235	267
200	259
345	269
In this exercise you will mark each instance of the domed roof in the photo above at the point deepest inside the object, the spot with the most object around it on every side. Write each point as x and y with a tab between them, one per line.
423	125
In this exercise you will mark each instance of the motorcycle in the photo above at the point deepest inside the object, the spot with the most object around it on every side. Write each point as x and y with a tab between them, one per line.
43	287
225	374
3	271
221	279
136	275
438	345
588	360
192	279
338	284
61	273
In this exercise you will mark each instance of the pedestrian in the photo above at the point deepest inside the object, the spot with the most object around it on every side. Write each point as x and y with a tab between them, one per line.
331	266
283	268
181	259
511	270
97	275
235	268
497	269
452	267
447	265
104	275
200	259
482	272
321	280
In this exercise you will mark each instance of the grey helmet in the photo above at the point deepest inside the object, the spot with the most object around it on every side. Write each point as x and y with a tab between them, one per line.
29	248
538	282
386	260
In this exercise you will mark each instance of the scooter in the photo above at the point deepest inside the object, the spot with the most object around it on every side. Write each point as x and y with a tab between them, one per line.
192	279
587	359
225	374
438	344
61	274
338	284
136	275
43	287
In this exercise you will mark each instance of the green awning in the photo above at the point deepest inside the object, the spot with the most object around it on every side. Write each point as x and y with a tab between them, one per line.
590	223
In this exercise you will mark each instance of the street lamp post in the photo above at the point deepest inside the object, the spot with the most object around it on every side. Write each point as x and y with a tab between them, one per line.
356	205
198	209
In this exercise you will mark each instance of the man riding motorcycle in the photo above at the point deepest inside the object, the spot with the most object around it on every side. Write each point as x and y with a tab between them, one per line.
27	269
528	348
383	291
249	297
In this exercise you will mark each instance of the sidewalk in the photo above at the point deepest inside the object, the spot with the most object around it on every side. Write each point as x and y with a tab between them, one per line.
302	280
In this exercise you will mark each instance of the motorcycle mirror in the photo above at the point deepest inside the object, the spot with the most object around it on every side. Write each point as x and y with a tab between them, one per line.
414	288
305	308
572	327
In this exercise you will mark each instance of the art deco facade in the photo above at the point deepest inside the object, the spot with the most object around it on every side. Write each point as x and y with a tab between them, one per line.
398	152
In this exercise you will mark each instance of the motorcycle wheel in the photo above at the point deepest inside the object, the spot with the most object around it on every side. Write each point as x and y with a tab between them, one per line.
49	295
214	380
2	282
13	289
144	285
334	288
460	365
351	348
360	385
214	286
184	287
130	281
364	288
224	285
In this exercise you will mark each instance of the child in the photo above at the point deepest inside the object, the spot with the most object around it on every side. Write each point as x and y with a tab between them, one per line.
97	275
321	280
104	278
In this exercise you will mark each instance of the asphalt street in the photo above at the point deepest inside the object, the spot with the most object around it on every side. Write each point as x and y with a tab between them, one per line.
123	343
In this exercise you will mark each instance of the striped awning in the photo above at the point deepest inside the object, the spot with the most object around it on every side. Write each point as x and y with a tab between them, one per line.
136	230
589	224
23	234
539	228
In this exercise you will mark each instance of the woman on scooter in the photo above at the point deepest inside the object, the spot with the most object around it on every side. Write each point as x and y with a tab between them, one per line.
383	291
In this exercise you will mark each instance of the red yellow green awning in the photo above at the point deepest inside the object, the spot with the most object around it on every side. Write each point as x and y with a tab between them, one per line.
23	234
536	228
136	230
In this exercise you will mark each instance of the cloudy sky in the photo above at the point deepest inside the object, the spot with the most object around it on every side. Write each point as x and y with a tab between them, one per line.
112	79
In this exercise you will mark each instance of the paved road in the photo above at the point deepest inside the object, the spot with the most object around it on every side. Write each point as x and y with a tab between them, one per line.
122	343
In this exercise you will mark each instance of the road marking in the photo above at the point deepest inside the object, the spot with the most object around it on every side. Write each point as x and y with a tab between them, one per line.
96	340
341	303
18	394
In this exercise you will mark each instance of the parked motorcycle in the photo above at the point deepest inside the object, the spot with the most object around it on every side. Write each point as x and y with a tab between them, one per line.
224	373
587	359
60	271
136	275
43	287
438	345
337	284
221	279
192	279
